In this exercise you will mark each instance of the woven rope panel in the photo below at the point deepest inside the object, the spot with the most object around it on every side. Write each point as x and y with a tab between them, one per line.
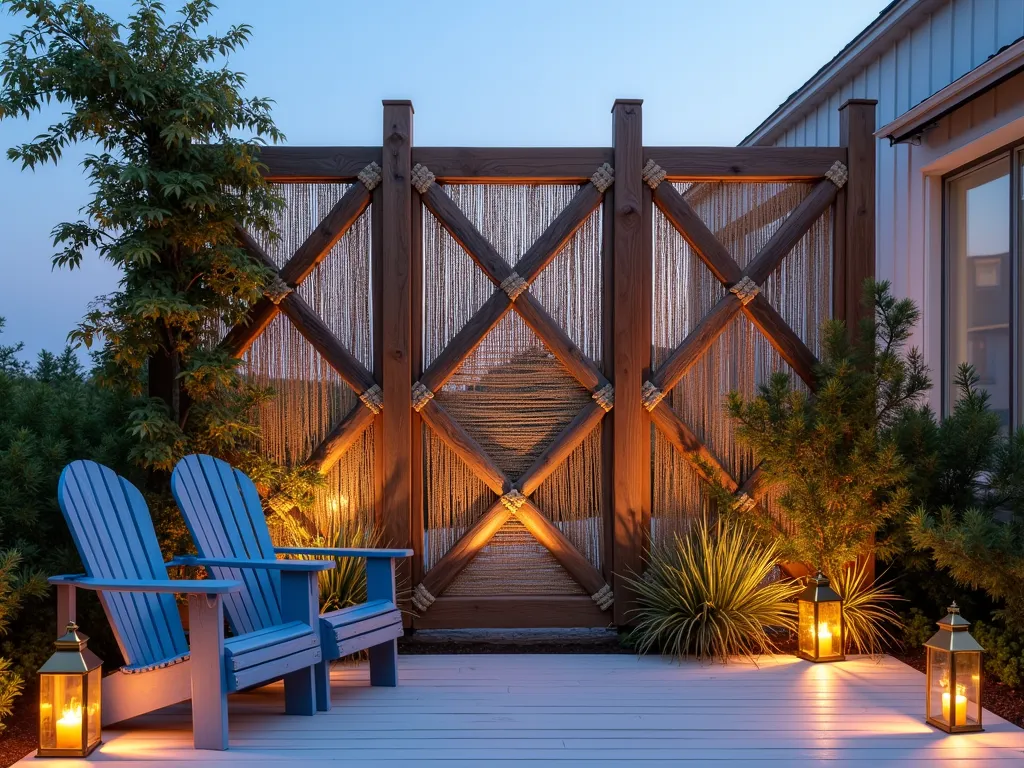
513	563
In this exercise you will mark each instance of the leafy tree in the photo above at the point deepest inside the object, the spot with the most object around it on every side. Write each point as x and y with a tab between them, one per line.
831	453
170	179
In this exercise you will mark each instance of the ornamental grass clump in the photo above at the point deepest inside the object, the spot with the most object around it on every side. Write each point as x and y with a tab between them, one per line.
709	594
871	624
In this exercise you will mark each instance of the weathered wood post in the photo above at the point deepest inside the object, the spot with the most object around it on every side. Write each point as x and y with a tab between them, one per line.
855	219
631	289
396	323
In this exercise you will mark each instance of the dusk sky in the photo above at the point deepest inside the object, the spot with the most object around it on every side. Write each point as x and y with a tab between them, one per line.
508	73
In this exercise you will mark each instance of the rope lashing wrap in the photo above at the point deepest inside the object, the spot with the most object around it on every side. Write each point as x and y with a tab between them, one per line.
420	396
371	176
513	285
653	174
277	290
421	598
746	290
373	398
422	178
837	174
605	397
603	597
651	395
745	502
513	500
603	177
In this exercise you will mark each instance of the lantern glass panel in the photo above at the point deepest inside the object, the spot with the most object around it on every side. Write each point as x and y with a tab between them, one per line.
829	629
60	711
968	686
938	685
806	629
93	709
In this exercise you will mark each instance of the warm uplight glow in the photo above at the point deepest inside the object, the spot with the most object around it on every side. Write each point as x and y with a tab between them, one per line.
337	504
961	704
69	727
824	639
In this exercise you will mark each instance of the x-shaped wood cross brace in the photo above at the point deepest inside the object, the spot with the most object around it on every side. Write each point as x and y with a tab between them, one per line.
743	296
280	296
512	293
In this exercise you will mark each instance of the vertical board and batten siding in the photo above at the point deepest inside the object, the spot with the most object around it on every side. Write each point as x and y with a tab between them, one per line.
943	46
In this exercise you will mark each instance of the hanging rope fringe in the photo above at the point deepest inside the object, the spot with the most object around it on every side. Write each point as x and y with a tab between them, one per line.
513	285
373	398
422	178
420	396
603	177
513	500
421	598
837	174
653	174
651	395
745	290
371	176
603	597
277	290
605	397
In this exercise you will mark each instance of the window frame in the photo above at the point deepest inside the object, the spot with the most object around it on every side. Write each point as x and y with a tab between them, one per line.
1014	152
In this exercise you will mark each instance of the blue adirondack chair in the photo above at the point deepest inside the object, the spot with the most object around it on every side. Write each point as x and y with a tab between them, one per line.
223	512
114	534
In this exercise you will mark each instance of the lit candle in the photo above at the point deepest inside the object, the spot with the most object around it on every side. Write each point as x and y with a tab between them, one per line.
824	639
69	728
961	706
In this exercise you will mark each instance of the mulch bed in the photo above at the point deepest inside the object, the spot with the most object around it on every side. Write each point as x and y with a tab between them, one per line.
22	732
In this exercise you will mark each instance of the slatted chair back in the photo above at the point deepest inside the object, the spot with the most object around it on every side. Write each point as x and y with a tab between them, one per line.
113	531
223	513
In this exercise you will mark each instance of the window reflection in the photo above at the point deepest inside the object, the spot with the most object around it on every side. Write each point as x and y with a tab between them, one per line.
979	281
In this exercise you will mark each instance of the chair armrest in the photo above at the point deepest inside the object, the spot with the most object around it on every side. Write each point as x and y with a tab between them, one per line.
372	554
161	586
270	565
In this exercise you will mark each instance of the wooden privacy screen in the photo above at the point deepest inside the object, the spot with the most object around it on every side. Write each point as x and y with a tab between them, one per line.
474	344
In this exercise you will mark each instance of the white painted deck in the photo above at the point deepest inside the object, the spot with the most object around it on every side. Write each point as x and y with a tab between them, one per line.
582	710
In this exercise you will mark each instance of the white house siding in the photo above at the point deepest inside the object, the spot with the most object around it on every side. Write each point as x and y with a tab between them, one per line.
953	39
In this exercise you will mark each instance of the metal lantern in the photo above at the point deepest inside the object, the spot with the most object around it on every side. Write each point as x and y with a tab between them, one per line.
820	622
954	676
69	698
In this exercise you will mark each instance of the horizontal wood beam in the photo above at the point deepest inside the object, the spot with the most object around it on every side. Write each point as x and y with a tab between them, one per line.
465	447
783	338
570	558
745	163
697	234
517	165
293	165
465	233
438	578
679	434
316	332
512	611
558	233
711	326
328	232
574	433
557	340
792	230
340	439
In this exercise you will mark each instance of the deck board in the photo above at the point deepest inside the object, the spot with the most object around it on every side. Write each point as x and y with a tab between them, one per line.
582	710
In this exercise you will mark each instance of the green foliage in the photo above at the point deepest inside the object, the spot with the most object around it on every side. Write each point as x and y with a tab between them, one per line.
345	584
917	628
175	169
16	585
1004	652
707	595
841	474
969	487
869	621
